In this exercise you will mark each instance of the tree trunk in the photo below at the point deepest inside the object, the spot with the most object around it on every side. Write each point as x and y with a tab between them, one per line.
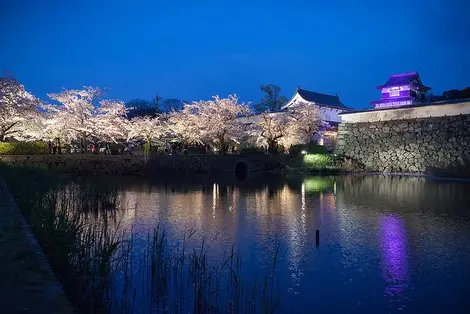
84	144
272	147
2	137
148	146
221	145
221	148
58	146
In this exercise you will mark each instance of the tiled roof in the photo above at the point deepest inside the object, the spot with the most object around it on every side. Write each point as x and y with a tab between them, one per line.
402	79
321	99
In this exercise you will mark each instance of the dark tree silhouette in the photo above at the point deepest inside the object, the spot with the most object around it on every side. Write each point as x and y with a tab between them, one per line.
171	104
141	108
272	100
451	95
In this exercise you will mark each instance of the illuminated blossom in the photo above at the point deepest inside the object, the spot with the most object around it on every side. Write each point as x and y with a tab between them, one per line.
109	122
306	122
76	111
150	130
211	122
270	130
298	125
17	106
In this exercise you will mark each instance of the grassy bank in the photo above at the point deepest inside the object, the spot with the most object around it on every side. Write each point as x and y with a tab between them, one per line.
23	148
103	271
27	283
322	164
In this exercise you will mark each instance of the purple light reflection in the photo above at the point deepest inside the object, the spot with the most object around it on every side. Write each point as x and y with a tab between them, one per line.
394	248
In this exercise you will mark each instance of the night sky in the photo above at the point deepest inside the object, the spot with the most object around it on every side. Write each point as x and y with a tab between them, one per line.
193	50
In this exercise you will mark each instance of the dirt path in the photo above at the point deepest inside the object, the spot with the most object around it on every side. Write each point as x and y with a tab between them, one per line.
27	283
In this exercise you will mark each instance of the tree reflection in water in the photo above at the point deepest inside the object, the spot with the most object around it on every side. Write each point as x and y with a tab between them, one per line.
375	231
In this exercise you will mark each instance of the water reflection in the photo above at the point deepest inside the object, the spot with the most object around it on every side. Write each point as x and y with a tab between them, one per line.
377	233
394	255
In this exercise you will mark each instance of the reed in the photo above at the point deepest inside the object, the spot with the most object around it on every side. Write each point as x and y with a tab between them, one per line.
104	271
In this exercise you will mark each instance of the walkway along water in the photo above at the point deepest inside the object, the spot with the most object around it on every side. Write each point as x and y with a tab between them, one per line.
28	284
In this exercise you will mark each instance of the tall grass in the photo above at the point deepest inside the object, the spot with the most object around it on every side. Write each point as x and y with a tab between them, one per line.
81	253
104	271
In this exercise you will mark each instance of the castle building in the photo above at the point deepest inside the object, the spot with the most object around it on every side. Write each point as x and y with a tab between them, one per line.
330	107
405	89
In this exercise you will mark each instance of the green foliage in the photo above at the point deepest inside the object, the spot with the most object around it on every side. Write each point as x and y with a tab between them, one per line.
311	148
318	160
250	150
23	148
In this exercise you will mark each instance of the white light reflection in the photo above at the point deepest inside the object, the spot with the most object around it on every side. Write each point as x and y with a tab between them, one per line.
215	195
303	217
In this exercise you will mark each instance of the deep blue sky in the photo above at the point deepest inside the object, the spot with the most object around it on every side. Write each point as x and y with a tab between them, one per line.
195	49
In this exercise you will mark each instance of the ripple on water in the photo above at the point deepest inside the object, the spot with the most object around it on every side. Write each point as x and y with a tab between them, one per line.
386	243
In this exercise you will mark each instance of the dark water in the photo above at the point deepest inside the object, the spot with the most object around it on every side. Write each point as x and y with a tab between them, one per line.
387	244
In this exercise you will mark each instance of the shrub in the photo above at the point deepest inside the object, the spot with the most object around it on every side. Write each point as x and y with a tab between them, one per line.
318	160
252	150
347	164
311	148
23	148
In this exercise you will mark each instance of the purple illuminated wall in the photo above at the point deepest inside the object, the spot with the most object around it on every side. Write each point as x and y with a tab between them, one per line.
402	93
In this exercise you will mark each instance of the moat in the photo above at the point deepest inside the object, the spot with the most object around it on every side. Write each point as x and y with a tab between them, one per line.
387	243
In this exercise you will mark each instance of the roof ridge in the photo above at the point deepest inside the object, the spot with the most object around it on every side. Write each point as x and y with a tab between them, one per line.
321	99
405	74
317	92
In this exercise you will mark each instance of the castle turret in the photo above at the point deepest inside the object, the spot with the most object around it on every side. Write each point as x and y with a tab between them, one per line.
400	90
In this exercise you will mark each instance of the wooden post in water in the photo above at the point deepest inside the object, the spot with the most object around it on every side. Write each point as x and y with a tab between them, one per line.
317	238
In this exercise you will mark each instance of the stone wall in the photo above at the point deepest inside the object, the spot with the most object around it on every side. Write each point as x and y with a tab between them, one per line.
420	145
138	165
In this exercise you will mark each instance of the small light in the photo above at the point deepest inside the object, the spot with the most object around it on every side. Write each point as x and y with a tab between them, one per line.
304	152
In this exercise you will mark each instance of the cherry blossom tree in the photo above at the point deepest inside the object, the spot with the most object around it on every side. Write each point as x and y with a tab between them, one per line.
211	122
306	122
184	126
271	130
150	130
17	106
53	128
76	111
108	121
298	125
